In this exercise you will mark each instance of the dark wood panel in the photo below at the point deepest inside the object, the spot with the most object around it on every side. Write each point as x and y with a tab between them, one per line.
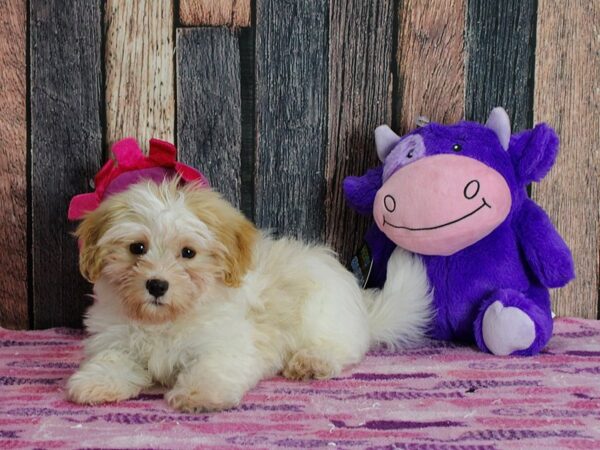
209	130
66	146
247	158
360	98
567	97
291	115
233	13
13	161
430	62
500	55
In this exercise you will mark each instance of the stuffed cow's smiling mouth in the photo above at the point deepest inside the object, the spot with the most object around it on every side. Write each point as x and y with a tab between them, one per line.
483	205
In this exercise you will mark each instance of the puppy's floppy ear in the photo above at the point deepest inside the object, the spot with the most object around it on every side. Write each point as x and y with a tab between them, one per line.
88	232
236	233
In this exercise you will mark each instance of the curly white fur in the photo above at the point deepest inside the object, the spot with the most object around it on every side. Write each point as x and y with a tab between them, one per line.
295	311
400	313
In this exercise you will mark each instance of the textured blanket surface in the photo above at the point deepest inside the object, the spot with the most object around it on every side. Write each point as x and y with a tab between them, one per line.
436	396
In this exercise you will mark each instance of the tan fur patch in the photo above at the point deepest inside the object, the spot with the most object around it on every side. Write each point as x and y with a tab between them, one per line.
237	234
89	231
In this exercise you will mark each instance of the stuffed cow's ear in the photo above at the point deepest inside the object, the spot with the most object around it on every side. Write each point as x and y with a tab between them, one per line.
360	191
533	152
385	139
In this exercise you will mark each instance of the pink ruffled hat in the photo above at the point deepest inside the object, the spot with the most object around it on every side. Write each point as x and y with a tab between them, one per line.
130	166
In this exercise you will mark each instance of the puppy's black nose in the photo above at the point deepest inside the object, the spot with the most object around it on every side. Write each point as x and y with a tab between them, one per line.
157	287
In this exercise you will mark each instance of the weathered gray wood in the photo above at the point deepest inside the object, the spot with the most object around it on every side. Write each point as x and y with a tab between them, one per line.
247	77
360	99
430	62
209	132
291	111
66	146
13	157
567	97
500	55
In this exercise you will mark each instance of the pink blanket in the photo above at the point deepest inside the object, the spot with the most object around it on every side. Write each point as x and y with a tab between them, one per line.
436	396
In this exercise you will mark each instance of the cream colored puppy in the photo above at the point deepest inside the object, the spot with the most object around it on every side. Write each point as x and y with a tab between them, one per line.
190	295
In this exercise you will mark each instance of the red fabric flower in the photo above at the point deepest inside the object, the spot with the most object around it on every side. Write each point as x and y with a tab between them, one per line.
130	166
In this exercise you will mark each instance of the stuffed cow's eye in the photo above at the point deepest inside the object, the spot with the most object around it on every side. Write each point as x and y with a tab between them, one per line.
456	147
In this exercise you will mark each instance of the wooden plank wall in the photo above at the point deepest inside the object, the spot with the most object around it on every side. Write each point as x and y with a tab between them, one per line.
277	105
500	49
66	147
140	99
232	13
430	41
209	129
360	92
567	96
291	117
13	165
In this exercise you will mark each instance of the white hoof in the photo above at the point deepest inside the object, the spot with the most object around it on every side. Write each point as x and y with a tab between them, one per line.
506	330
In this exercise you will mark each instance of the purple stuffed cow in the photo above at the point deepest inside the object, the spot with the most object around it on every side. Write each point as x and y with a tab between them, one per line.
456	195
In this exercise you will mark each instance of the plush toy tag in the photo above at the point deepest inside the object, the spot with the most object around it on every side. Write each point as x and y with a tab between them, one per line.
362	264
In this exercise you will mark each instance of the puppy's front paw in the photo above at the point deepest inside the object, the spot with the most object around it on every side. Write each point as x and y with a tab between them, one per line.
194	400
306	364
85	389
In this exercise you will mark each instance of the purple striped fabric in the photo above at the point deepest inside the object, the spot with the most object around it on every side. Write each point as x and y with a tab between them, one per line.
438	396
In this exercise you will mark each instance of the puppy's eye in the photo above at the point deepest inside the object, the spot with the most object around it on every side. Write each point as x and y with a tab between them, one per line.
138	248
457	147
188	253
410	153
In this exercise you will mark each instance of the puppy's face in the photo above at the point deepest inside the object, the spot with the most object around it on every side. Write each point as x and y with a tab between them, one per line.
161	246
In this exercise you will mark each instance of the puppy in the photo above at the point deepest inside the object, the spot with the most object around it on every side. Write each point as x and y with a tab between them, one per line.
190	295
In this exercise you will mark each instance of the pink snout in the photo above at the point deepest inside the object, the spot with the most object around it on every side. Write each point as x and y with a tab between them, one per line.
441	204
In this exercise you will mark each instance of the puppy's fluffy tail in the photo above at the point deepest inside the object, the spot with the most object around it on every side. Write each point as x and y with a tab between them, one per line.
400	313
